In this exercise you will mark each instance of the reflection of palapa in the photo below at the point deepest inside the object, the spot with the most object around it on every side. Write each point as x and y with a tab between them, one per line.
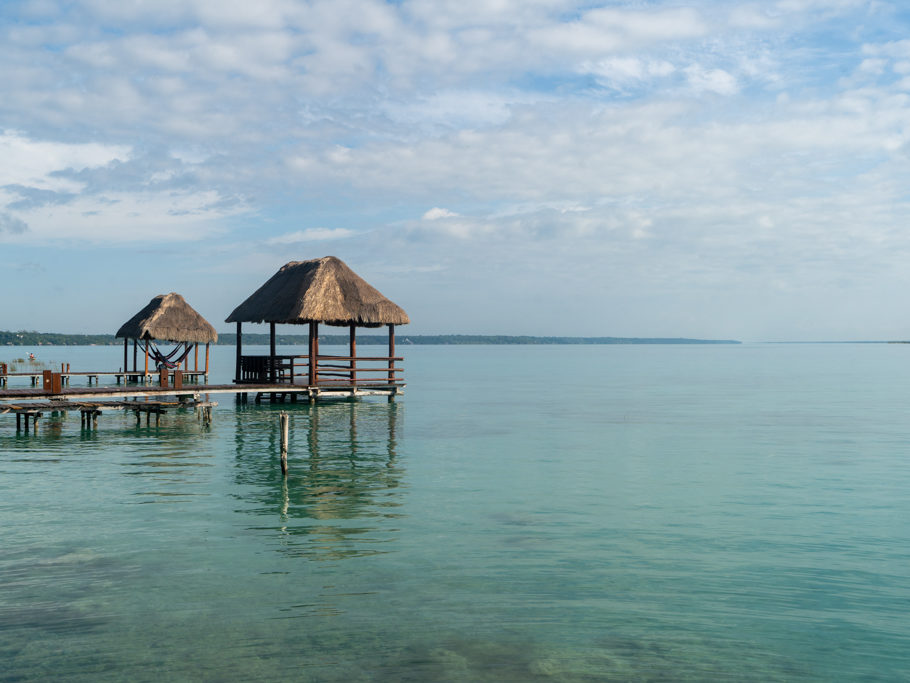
332	506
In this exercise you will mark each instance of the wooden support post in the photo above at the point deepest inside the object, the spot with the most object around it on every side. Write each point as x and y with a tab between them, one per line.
391	353
311	358
135	348
18	422
206	359
126	345
283	424
196	357
162	376
272	376
239	352
146	359
316	352
178	379
352	352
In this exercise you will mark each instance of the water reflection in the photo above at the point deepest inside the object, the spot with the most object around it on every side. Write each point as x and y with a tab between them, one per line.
343	485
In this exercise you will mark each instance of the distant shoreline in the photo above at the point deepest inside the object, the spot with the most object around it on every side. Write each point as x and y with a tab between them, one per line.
23	338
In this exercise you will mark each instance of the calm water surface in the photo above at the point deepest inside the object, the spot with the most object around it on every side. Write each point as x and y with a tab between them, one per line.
521	514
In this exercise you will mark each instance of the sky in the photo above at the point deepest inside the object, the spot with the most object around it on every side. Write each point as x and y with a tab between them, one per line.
712	169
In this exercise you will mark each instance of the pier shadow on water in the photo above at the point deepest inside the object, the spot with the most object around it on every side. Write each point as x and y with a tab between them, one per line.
344	481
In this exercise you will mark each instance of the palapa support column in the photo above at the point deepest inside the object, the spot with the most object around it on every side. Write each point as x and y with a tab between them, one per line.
353	354
135	350
311	359
126	366
239	352
272	376
391	353
206	361
146	360
283	425
196	357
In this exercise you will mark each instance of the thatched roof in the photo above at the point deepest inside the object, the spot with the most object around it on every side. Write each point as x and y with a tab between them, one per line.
168	317
322	290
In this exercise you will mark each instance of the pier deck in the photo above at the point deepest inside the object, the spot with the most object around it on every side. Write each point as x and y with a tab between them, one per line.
150	391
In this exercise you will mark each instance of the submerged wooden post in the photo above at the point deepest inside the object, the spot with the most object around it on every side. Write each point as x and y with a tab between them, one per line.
239	351
272	376
391	353
283	424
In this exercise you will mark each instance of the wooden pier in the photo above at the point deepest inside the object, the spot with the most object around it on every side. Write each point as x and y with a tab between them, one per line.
55	395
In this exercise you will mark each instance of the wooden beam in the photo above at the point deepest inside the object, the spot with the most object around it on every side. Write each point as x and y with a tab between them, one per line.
206	359
126	357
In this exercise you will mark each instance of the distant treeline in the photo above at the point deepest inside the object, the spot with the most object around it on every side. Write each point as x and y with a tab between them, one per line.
23	338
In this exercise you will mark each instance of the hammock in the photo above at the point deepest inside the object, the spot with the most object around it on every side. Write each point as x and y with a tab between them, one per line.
167	360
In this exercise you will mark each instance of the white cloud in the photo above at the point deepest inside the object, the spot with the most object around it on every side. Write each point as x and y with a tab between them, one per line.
621	72
711	80
34	163
436	213
125	218
312	235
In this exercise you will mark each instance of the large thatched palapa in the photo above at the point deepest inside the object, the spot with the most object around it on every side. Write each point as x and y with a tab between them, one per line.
167	317
323	290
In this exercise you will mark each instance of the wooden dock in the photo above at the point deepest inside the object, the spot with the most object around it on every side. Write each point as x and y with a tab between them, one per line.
31	403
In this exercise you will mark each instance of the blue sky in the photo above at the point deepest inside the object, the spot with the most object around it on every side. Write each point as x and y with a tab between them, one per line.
703	169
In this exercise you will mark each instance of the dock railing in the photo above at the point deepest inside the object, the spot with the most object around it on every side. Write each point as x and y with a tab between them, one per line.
329	371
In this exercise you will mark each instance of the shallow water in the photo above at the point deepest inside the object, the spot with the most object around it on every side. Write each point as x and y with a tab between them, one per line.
521	514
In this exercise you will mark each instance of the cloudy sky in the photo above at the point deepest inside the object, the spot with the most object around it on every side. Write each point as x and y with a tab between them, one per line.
704	169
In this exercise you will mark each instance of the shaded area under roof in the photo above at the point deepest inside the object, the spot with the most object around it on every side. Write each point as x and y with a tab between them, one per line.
323	290
168	317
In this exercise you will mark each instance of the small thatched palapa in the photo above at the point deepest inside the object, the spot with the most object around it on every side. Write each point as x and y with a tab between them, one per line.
168	317
323	290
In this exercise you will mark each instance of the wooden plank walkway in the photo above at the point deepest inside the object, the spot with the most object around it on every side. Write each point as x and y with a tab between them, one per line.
150	391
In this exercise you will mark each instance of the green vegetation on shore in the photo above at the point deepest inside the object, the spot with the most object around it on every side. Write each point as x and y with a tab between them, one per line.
23	338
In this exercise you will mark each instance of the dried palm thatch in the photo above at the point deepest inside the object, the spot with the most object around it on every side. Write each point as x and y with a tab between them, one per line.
323	290
168	317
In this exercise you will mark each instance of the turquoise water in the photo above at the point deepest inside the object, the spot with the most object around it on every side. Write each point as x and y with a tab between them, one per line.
521	514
